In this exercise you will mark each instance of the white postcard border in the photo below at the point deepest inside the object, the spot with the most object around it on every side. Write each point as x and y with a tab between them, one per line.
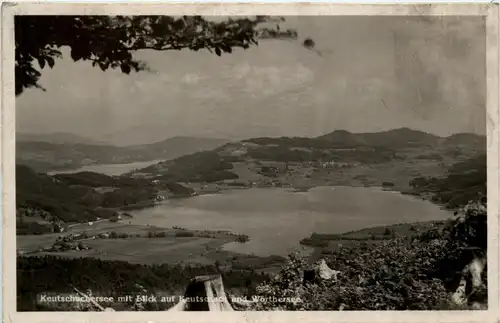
491	11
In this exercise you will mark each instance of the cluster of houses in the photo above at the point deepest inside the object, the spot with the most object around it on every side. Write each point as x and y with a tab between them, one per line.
269	169
60	246
284	167
273	183
329	164
275	168
58	227
159	198
72	237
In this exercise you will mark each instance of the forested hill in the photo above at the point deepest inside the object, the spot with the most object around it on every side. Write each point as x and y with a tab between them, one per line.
391	139
84	196
465	181
74	198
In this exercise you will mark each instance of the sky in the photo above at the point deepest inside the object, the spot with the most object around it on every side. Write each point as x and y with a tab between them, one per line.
374	74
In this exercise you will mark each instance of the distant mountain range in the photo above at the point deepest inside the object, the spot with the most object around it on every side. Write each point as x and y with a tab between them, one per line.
66	151
47	156
390	138
401	137
142	134
391	141
57	138
404	145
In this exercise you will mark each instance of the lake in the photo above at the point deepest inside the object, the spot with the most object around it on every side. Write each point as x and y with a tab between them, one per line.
277	219
108	169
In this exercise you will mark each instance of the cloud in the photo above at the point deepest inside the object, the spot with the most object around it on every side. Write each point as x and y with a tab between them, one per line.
192	78
210	93
280	88
269	80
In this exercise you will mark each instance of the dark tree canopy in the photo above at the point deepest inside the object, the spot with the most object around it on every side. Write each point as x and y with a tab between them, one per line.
309	43
109	41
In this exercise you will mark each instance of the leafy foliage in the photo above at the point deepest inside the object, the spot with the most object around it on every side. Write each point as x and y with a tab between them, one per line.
388	277
470	226
466	238
109	41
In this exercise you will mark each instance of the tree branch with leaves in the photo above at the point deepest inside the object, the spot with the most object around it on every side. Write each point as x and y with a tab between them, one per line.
109	41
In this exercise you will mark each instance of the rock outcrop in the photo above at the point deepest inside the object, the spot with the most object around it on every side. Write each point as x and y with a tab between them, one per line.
470	283
326	272
319	271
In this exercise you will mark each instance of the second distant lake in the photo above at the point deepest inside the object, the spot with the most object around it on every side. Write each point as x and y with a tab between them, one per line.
108	169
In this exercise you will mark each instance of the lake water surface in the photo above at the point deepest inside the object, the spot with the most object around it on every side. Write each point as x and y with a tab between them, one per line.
108	169
276	219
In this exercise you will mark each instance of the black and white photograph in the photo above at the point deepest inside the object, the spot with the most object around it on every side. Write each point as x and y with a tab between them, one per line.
251	163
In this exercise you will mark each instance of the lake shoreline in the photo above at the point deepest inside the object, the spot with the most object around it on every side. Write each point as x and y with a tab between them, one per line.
230	199
296	186
302	189
214	253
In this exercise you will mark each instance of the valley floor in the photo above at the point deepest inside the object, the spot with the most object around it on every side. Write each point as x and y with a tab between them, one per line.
202	248
173	246
396	175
